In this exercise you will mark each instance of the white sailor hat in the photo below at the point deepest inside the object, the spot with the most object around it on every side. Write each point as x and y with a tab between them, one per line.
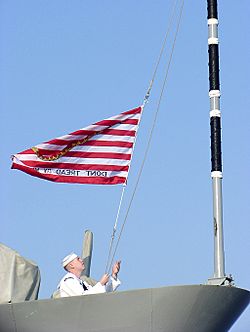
68	259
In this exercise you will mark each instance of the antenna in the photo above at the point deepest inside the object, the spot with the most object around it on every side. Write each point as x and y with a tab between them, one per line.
216	155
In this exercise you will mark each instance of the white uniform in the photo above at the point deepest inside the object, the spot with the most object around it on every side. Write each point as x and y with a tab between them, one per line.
70	285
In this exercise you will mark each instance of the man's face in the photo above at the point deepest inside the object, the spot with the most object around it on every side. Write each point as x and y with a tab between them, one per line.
78	264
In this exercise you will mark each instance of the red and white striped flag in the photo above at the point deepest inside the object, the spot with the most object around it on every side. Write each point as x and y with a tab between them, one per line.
98	154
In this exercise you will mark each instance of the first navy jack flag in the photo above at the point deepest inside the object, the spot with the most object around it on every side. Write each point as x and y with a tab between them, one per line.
98	154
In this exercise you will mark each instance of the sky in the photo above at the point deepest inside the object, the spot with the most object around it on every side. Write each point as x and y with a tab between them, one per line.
67	64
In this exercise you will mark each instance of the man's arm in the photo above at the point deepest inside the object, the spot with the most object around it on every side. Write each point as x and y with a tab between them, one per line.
114	281
72	287
99	287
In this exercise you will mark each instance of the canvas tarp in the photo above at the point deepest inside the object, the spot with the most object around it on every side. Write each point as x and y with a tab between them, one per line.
19	277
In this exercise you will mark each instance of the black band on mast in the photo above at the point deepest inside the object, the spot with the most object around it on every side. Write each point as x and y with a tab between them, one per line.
216	144
212	9
214	80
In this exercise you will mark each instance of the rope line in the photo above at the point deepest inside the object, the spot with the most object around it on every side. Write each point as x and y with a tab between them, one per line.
174	5
114	230
151	134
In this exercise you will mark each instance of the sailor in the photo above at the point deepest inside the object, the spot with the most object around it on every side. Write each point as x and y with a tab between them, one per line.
72	285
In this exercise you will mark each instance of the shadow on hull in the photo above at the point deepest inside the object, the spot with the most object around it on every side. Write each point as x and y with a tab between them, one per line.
196	308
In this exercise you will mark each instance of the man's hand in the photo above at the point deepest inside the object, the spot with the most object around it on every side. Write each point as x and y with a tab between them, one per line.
104	279
116	269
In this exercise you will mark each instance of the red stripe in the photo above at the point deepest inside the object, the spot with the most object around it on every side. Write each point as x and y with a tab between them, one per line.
109	124
29	151
110	143
79	154
71	179
47	164
58	141
107	155
84	132
133	111
117	132
114	122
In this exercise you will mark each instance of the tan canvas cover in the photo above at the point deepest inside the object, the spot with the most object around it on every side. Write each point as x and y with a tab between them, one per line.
19	277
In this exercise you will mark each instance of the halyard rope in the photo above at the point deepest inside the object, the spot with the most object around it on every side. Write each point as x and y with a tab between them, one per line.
109	265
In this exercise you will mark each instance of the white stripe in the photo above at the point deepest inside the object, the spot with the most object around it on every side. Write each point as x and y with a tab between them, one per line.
75	160
94	127
81	173
113	138
110	149
87	148
213	40
118	126
50	146
122	117
69	172
125	126
217	174
81	137
214	93
215	113
72	137
212	21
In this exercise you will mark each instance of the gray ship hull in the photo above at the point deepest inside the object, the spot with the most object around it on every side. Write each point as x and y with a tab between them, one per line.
196	308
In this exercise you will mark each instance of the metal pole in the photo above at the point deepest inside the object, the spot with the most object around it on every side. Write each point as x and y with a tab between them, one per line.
215	125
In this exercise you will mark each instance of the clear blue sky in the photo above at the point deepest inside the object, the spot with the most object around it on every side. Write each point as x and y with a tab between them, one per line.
67	64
